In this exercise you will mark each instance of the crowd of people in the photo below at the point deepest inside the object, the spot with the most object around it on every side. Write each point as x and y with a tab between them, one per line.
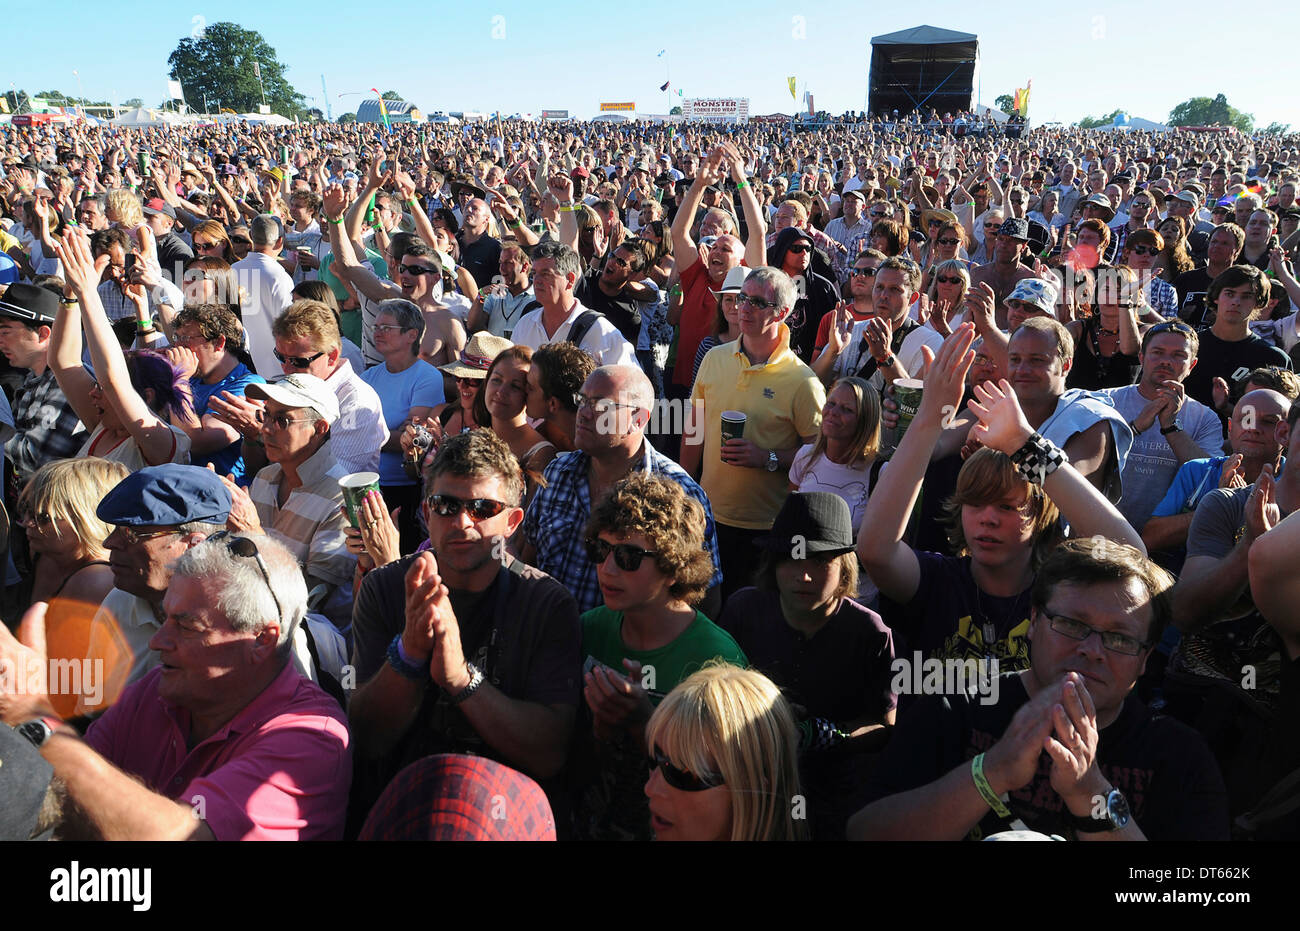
596	481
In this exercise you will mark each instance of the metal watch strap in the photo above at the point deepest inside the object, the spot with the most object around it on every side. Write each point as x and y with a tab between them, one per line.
475	680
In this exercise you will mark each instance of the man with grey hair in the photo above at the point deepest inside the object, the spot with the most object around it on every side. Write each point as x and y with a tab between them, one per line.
224	740
268	287
556	272
614	407
746	475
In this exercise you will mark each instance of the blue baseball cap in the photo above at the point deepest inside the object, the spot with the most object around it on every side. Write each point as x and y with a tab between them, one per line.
166	496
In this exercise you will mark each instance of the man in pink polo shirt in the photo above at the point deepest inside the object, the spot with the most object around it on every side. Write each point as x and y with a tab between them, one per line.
225	740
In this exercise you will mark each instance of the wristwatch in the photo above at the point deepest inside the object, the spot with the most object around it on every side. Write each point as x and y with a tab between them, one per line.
37	730
887	361
772	462
1116	817
475	680
1175	427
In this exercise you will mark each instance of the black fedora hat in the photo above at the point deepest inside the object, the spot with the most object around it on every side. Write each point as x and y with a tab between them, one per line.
811	523
30	304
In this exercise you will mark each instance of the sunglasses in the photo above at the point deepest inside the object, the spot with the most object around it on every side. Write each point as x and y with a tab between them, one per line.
477	508
945	279
417	270
948	241
247	549
863	272
240	240
799	249
215	244
681	779
626	556
298	362
1144	250
756	302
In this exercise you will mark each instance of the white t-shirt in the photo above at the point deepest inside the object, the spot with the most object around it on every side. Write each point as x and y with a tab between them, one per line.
603	342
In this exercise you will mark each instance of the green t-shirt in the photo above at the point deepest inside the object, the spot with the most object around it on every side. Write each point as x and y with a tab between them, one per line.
612	804
661	669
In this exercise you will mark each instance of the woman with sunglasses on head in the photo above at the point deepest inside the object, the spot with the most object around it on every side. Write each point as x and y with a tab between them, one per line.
1140	252
71	575
505	398
646	538
130	400
829	654
724	747
1107	343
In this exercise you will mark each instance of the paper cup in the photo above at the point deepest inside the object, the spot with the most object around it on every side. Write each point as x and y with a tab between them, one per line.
907	392
733	425
355	487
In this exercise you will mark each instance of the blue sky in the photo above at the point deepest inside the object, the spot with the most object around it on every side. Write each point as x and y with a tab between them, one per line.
1084	59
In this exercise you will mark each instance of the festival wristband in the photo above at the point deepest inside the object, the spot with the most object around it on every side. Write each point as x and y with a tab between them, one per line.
1037	459
986	790
339	221
741	184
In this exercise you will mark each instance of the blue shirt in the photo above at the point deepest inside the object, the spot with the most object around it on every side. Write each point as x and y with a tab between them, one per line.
555	521
1195	479
419	385
227	461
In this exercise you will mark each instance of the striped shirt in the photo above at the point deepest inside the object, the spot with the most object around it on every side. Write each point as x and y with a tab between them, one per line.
359	432
311	526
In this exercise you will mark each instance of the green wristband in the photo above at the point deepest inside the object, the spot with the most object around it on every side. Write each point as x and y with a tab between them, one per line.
986	790
741	184
339	221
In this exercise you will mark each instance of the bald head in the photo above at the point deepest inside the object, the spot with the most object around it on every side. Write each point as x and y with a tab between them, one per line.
626	383
1253	429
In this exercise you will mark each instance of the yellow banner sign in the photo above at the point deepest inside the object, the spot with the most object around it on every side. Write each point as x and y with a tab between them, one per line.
624	107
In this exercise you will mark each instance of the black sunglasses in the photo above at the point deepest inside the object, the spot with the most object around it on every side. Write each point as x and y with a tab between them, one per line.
417	270
298	362
1144	250
626	556
799	249
247	549
477	508
681	779
947	241
863	272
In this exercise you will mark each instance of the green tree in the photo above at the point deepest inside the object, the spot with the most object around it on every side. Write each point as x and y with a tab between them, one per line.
1206	111
675	111
348	118
219	64
1277	129
133	102
1005	102
392	95
1090	122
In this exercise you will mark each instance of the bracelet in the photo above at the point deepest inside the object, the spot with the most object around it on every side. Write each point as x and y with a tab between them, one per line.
1037	459
339	221
515	225
475	680
986	790
403	665
741	184
144	326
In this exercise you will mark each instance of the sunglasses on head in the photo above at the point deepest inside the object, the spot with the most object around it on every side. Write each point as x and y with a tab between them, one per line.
477	508
681	779
247	549
298	362
626	556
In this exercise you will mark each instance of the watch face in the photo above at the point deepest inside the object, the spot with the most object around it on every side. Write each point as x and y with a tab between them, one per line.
1117	807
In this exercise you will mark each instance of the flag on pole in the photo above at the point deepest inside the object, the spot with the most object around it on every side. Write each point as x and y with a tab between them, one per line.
664	86
257	69
792	84
1024	101
383	110
661	53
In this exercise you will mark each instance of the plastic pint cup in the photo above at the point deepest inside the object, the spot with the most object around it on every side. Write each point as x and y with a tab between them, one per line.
355	487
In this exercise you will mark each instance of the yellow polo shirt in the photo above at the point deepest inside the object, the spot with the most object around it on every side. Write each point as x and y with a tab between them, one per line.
782	399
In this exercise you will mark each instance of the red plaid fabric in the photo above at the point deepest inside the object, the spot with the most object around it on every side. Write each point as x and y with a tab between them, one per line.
452	797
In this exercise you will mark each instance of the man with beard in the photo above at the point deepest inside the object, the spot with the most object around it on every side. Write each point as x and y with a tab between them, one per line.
1002	273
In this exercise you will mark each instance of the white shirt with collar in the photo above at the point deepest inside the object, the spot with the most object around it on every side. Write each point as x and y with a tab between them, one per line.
355	438
603	341
269	291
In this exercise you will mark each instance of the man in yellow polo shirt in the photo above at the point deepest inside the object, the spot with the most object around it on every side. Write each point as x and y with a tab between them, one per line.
746	479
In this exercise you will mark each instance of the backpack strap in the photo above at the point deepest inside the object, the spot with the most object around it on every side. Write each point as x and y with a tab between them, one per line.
325	679
578	332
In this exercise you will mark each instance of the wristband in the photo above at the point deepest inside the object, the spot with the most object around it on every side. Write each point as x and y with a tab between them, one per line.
144	326
986	790
339	221
515	225
403	665
1037	459
741	184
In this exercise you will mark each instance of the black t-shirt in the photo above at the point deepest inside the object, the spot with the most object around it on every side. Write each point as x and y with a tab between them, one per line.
173	253
1092	371
621	310
1162	766
1218	358
1197	281
482	258
818	297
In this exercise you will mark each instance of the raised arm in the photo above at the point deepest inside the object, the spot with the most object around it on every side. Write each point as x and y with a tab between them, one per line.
360	276
64	357
684	249
755	224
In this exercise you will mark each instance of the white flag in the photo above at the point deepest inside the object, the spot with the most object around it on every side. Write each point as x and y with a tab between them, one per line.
174	90
257	69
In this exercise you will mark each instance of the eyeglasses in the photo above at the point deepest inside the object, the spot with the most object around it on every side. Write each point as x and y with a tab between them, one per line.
1113	641
948	279
598	406
756	302
298	362
417	269
281	421
863	272
35	520
626	556
131	536
948	241
247	549
477	508
388	326
681	779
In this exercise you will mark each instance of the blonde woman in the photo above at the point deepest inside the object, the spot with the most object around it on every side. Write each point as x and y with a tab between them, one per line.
72	574
723	744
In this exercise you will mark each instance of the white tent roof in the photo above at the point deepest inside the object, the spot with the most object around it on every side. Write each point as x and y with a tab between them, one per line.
267	119
612	118
144	116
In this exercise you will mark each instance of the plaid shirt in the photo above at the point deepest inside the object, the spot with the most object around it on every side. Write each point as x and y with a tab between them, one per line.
46	426
559	512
